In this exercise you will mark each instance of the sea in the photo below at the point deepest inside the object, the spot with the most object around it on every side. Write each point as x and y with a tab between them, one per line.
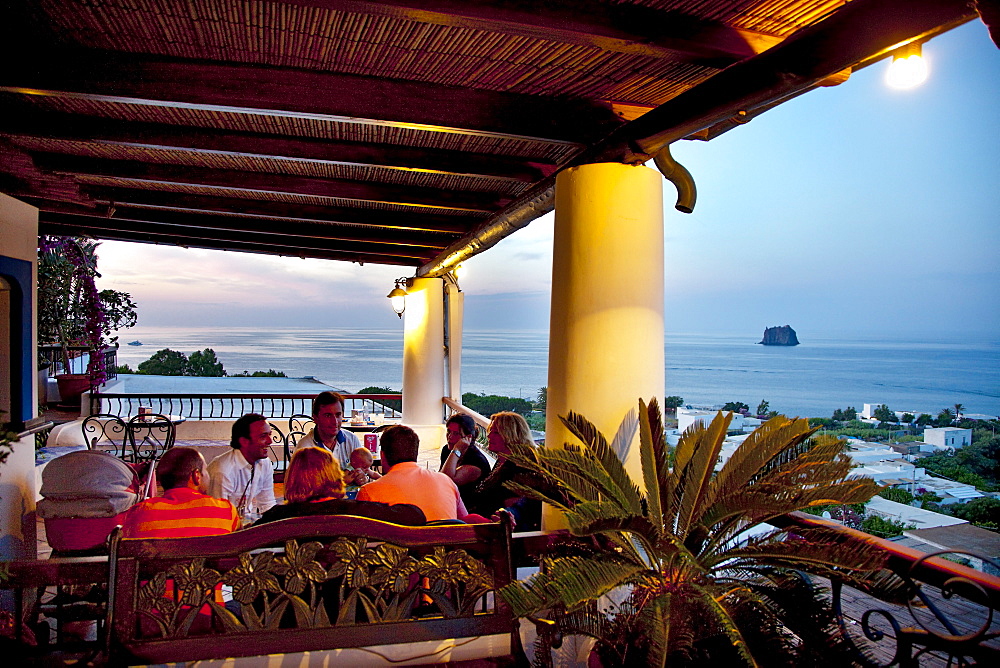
811	379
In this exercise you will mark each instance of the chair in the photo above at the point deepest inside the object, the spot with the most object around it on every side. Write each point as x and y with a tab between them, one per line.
150	435
300	422
105	427
278	458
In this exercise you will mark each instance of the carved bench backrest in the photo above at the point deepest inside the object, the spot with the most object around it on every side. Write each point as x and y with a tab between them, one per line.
295	580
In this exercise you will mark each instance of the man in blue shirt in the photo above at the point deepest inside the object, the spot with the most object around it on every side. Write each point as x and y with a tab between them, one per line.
328	414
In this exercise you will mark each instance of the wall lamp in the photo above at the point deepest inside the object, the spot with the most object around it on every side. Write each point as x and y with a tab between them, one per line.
397	297
908	68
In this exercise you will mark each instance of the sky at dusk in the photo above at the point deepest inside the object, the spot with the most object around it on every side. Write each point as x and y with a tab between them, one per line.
851	209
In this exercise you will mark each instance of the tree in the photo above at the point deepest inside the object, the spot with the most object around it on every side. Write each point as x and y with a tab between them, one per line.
166	362
846	415
884	528
670	540
392	404
883	414
896	494
763	407
923	420
119	310
270	373
543	399
736	406
958	411
907	418
204	363
493	403
673	402
945	418
838	415
984	511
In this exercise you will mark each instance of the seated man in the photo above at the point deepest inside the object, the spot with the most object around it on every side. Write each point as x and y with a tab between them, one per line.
405	481
328	414
244	475
184	510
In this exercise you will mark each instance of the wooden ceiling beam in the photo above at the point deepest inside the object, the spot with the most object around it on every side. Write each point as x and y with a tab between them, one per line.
103	227
261	182
619	28
390	220
138	237
164	82
249	227
25	121
854	36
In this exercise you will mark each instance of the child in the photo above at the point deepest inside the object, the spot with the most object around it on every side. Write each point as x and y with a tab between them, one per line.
361	463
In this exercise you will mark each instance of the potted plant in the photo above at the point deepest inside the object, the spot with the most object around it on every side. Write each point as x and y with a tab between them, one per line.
73	314
681	579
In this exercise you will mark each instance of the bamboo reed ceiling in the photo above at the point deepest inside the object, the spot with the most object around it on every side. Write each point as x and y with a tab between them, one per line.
387	132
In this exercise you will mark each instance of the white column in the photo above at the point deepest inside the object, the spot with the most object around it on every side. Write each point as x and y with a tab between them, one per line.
455	305
423	361
606	330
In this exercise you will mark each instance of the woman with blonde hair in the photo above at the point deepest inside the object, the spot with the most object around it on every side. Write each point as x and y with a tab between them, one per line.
314	485
507	429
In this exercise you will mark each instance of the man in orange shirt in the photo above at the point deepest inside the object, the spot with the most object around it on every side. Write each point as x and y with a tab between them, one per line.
184	510
407	482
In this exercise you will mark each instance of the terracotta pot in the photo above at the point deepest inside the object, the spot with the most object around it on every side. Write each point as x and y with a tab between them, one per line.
71	386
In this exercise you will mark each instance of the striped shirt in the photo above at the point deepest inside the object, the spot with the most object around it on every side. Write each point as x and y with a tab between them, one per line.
180	513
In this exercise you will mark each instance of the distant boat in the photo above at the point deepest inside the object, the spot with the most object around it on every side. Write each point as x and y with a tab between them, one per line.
135	343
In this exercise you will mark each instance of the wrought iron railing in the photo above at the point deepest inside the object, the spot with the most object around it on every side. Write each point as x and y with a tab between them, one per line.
948	619
78	359
231	406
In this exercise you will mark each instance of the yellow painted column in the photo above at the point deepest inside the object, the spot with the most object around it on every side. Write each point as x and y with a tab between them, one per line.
423	361
455	304
606	329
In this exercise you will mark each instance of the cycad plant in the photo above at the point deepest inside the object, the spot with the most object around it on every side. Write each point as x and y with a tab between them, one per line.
683	579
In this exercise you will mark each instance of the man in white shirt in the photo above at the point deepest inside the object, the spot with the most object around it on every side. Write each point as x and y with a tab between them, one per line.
328	414
245	475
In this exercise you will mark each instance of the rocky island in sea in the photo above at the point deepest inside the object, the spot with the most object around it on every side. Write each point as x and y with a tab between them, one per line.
779	336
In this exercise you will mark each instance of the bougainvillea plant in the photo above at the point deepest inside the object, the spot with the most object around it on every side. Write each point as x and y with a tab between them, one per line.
71	310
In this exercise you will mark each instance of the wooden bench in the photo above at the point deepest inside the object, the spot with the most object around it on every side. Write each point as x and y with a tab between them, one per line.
312	584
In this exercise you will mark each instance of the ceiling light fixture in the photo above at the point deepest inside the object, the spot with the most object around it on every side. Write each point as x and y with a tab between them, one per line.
397	297
908	68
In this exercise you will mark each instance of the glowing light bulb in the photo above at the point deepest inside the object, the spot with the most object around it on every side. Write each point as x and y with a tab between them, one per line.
908	69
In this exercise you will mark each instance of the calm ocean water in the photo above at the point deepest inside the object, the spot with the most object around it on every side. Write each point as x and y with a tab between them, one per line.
811	379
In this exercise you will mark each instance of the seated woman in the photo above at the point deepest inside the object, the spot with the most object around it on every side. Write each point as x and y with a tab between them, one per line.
490	495
461	458
314	485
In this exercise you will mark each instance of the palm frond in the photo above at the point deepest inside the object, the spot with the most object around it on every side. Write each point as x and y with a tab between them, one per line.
621	444
817	547
569	581
628	492
696	472
652	619
654	468
763	445
583	473
566	468
727	625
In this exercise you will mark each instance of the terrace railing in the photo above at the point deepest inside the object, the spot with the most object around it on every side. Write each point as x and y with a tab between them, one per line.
78	358
48	593
231	406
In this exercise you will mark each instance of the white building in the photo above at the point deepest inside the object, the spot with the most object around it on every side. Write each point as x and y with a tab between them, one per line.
948	437
918	517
